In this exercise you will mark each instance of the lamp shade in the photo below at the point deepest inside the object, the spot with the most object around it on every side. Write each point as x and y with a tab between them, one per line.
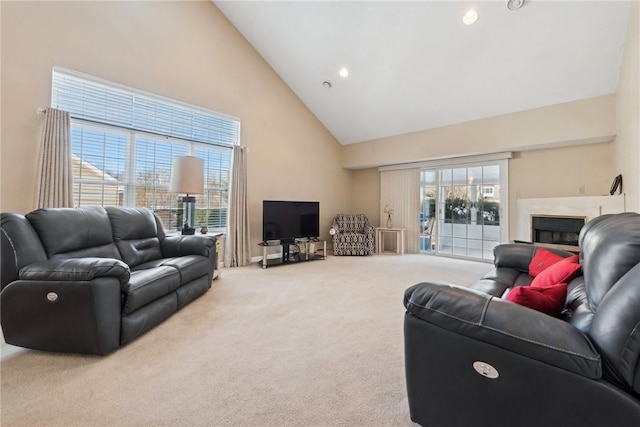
187	175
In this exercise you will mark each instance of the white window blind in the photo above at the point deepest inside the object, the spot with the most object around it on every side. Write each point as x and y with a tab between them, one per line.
95	100
123	143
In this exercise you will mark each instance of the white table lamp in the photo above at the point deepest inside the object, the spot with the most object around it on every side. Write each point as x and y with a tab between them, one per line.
187	177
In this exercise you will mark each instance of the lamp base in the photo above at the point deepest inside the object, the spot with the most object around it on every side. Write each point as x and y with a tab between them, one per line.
188	231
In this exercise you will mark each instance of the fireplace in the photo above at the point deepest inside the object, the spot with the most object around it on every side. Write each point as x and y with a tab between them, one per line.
582	208
556	230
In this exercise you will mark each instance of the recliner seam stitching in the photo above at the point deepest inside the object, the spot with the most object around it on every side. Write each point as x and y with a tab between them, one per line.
509	334
484	310
626	344
15	252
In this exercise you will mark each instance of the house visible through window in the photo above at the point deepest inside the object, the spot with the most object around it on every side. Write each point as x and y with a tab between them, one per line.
123	142
487	191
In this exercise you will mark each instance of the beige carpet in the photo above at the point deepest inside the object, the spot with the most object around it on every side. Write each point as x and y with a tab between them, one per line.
310	344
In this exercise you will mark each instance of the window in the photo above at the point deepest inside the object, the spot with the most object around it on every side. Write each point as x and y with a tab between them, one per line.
487	191
123	142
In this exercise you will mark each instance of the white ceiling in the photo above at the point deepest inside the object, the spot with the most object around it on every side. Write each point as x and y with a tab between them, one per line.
415	66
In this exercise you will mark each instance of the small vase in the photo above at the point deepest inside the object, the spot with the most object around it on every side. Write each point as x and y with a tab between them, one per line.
204	229
389	223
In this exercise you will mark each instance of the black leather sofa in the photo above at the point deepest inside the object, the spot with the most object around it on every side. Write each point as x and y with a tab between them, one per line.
92	279
474	359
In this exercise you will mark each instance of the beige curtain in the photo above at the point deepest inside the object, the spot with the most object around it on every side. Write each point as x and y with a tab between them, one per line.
400	189
54	182
237	252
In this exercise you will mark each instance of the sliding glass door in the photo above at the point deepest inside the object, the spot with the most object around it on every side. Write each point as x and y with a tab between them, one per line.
461	209
428	191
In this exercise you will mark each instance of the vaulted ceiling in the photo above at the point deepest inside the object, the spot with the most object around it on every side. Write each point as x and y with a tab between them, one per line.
415	65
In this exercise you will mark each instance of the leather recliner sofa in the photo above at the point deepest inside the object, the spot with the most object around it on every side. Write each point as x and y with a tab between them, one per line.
475	359
89	280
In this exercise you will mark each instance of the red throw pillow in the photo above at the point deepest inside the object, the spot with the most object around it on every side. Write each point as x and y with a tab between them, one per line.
549	299
542	260
560	272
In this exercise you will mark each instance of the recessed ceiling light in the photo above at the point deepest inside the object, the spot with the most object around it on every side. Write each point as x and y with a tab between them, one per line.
515	4
470	17
344	72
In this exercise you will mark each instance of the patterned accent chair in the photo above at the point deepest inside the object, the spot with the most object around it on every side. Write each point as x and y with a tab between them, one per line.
352	235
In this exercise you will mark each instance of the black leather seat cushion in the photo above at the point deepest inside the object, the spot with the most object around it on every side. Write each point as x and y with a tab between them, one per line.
189	267
148	285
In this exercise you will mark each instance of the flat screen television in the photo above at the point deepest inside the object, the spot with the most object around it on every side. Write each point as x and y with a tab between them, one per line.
287	220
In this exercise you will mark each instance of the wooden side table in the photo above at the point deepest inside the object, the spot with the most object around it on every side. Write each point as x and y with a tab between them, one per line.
399	233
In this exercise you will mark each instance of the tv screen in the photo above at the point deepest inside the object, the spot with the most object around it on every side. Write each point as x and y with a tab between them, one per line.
287	220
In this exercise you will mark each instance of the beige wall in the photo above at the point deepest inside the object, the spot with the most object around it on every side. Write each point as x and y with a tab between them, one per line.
585	170
568	123
182	50
366	194
188	51
554	153
627	153
578	166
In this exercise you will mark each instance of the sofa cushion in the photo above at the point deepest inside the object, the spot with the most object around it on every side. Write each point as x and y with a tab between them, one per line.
135	232
548	299
72	233
189	267
148	285
542	260
560	272
576	308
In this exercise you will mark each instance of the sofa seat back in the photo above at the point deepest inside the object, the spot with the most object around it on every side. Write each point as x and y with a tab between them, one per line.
74	232
610	255
511	268
137	234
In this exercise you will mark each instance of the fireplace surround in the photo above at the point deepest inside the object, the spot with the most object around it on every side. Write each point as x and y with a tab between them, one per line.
556	229
585	207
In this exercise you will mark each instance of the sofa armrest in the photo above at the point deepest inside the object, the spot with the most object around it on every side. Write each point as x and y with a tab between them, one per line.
369	230
513	255
519	255
67	315
75	270
181	245
504	324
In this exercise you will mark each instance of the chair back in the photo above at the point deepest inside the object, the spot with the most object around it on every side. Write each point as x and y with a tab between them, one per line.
351	223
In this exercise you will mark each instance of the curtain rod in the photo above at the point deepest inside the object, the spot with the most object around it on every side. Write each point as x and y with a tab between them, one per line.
41	111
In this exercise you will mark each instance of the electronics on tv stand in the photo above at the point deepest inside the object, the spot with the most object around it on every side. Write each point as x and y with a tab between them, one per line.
292	242
307	239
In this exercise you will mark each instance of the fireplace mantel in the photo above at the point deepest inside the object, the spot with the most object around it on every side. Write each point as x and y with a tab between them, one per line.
587	206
